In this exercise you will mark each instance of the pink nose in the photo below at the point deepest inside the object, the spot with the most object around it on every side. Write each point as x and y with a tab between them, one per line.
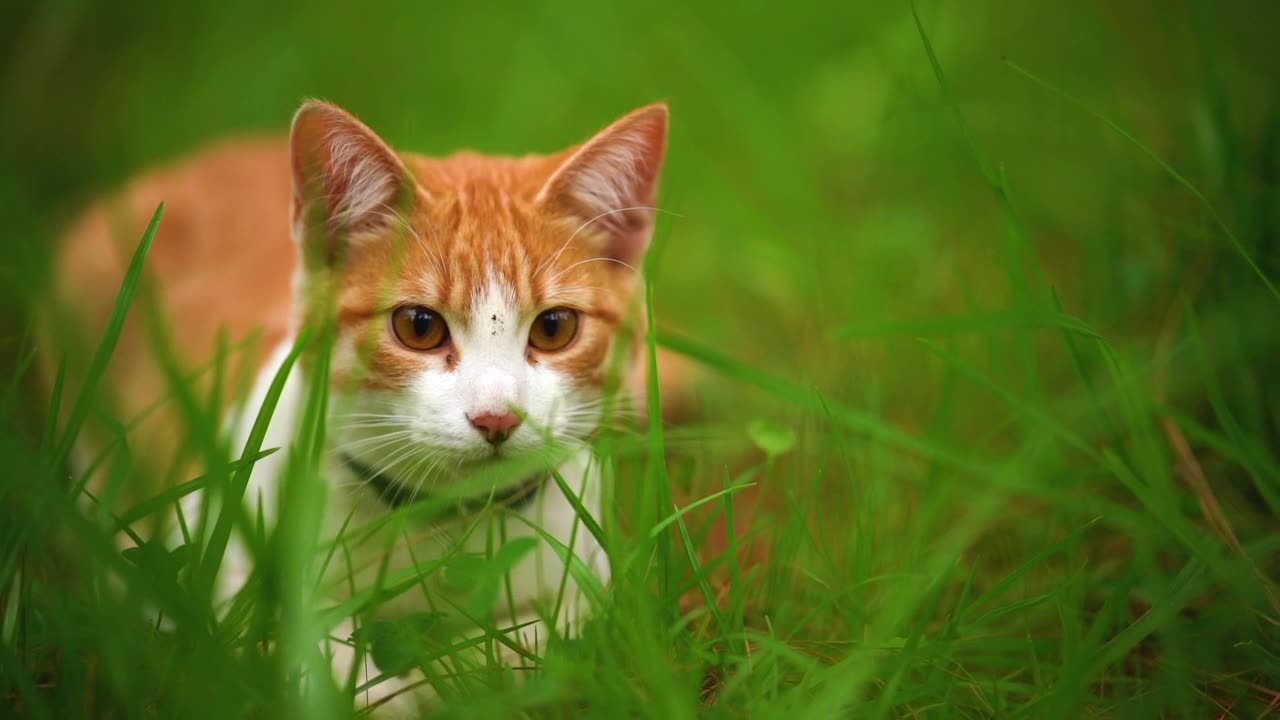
495	428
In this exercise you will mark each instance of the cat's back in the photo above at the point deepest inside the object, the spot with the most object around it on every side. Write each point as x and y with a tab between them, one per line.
221	261
223	241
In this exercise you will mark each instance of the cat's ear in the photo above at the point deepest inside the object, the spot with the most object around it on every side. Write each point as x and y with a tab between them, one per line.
611	181
346	180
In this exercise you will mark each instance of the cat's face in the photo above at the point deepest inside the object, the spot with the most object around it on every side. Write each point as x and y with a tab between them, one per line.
477	298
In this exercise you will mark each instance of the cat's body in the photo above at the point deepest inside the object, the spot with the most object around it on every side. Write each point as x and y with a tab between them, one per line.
476	304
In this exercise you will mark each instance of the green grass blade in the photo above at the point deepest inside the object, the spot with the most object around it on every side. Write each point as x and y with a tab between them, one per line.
106	345
211	560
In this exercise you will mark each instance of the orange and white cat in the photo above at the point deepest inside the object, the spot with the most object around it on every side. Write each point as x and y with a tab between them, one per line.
476	299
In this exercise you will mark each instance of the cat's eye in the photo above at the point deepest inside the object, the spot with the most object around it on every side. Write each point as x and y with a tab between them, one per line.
554	329
419	328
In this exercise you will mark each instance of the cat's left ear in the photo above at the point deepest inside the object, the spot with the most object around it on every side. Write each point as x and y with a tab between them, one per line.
611	181
346	180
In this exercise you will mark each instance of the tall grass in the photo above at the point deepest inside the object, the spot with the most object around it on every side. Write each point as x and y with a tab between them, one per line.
983	369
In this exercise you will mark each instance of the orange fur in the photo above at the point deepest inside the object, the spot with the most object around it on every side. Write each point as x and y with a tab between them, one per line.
224	257
222	203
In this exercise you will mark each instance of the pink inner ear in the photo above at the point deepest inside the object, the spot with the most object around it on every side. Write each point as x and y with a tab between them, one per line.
342	168
611	181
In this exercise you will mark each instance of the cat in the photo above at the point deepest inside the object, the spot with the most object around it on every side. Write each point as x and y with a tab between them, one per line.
478	305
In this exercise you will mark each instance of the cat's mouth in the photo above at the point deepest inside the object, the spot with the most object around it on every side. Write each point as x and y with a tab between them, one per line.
395	493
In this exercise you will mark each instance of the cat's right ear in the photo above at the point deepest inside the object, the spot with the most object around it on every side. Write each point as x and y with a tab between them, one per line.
609	182
346	180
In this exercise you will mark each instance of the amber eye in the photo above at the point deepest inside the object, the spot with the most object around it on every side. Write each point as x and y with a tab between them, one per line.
419	328
554	329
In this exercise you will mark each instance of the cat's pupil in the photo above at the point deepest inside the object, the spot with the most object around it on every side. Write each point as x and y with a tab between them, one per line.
421	322
550	323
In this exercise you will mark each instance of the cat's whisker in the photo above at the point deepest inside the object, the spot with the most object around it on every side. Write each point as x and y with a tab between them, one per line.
413	473
427	458
382	465
419	450
370	420
421	481
596	405
389	212
362	424
433	248
576	288
393	214
417	486
343	423
599	414
369	427
365	450
363	434
398	457
374	415
602	258
360	439
409	459
429	478
551	260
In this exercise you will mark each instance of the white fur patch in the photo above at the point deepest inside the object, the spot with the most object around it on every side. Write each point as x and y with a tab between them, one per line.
492	376
534	581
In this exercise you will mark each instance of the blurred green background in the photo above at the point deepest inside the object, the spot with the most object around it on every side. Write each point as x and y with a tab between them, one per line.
819	177
829	211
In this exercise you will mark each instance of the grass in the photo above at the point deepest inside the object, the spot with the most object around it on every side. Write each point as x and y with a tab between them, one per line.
984	369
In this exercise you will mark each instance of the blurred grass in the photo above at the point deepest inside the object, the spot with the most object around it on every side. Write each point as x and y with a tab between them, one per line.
979	312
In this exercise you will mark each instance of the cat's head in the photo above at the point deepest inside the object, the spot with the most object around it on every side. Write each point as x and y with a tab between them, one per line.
477	298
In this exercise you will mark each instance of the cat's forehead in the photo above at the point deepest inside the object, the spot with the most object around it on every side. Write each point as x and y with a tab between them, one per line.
476	223
481	182
476	231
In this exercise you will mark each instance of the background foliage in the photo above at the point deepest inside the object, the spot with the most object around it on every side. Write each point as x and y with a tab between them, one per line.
996	350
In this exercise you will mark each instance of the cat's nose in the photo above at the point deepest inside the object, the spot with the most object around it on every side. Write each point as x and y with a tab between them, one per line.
495	428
